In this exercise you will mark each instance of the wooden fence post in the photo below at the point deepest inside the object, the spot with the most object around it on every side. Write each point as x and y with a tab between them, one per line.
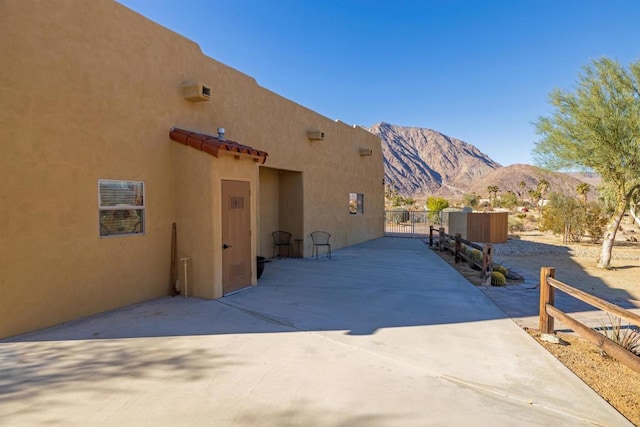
430	235
458	247
547	296
441	238
487	263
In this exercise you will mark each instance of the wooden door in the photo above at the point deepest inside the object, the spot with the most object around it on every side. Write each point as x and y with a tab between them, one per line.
236	236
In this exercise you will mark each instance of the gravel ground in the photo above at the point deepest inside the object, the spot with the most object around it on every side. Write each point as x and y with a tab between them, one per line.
522	247
615	382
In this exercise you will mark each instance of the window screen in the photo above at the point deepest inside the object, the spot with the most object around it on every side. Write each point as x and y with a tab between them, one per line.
121	206
356	204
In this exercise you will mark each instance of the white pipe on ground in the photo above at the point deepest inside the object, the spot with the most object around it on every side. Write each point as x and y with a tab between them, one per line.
185	262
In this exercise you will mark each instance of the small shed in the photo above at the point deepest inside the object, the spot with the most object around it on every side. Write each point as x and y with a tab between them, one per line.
481	227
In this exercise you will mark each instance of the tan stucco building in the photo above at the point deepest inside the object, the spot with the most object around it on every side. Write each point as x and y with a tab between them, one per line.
109	131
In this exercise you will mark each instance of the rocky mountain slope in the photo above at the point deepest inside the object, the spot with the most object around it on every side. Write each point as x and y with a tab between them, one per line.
422	162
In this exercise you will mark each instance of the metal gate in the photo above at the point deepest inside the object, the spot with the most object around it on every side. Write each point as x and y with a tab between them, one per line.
413	224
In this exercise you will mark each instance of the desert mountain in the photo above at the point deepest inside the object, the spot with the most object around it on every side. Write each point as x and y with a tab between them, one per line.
509	178
421	162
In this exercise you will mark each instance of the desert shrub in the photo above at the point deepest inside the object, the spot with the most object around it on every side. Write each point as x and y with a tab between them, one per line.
435	205
576	234
470	199
515	225
626	337
521	215
498	279
508	200
564	216
399	216
595	222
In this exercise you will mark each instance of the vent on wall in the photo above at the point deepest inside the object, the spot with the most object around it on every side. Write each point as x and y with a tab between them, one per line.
315	135
366	152
195	91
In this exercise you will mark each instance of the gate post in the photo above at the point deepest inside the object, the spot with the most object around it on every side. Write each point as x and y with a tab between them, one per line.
441	239
412	217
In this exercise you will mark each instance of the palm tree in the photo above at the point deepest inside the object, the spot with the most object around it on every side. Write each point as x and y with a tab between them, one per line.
582	189
543	186
493	189
522	185
533	195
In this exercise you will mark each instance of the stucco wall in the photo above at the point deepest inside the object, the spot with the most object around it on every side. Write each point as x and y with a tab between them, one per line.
79	102
195	189
292	206
83	99
269	209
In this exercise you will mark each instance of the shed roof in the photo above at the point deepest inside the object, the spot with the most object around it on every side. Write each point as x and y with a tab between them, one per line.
212	144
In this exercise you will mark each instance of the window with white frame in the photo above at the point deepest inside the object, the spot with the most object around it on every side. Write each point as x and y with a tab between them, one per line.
121	206
356	204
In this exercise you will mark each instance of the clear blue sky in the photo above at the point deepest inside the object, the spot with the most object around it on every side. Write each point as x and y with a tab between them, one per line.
476	70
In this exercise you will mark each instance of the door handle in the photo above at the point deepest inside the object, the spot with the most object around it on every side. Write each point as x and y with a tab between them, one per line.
225	246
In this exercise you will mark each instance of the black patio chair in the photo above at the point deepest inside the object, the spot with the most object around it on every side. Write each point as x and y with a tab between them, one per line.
280	239
321	238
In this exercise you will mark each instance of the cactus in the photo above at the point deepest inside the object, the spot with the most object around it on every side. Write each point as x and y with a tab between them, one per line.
498	279
475	256
500	269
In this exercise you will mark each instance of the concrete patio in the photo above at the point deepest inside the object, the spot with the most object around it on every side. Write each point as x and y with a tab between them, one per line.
383	334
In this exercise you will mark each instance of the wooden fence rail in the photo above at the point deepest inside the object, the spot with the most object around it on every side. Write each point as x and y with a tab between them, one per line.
444	238
443	244
548	312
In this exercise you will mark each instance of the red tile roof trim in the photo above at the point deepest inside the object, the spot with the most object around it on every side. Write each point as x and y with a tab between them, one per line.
212	145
